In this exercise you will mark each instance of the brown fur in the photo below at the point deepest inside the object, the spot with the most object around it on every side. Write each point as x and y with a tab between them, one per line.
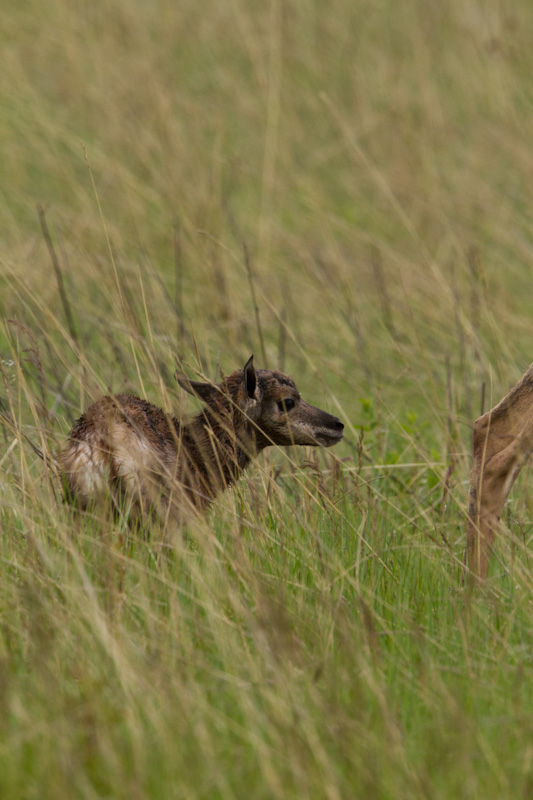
148	461
503	441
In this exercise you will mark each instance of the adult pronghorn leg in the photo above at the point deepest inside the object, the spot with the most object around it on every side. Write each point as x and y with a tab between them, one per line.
503	441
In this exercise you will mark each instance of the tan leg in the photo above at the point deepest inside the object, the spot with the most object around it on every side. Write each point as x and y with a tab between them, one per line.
503	441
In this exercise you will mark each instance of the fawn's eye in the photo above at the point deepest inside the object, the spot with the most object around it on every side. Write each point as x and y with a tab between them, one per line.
286	405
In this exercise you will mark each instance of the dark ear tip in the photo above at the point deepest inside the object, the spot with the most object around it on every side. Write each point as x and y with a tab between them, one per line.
182	379
250	379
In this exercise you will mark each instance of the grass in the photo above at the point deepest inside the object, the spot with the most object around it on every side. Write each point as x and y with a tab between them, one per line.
344	191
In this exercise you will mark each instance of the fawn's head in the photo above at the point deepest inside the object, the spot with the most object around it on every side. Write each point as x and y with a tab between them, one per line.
266	405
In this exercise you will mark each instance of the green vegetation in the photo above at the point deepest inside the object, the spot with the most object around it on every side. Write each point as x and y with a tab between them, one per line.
363	169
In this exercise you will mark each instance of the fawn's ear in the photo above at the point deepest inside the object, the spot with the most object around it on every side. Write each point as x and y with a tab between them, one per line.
250	378
205	391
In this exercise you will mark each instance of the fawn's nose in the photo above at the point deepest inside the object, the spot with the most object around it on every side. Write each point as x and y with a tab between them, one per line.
338	425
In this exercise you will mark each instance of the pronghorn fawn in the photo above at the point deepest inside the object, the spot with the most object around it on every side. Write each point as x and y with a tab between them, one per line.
148	462
503	442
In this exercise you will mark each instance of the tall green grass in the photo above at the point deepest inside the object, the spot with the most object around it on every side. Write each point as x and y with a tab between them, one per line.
344	190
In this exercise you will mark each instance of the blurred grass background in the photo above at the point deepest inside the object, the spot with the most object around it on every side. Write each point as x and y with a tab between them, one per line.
362	172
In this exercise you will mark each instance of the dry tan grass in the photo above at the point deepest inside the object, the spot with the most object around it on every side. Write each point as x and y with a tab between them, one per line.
310	639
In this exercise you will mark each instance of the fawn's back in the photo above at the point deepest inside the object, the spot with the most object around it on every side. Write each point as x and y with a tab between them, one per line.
121	442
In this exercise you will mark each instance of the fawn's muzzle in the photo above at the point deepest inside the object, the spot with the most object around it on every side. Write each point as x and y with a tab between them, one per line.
330	431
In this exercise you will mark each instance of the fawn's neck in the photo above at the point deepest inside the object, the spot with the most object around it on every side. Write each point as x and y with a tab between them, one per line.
215	453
